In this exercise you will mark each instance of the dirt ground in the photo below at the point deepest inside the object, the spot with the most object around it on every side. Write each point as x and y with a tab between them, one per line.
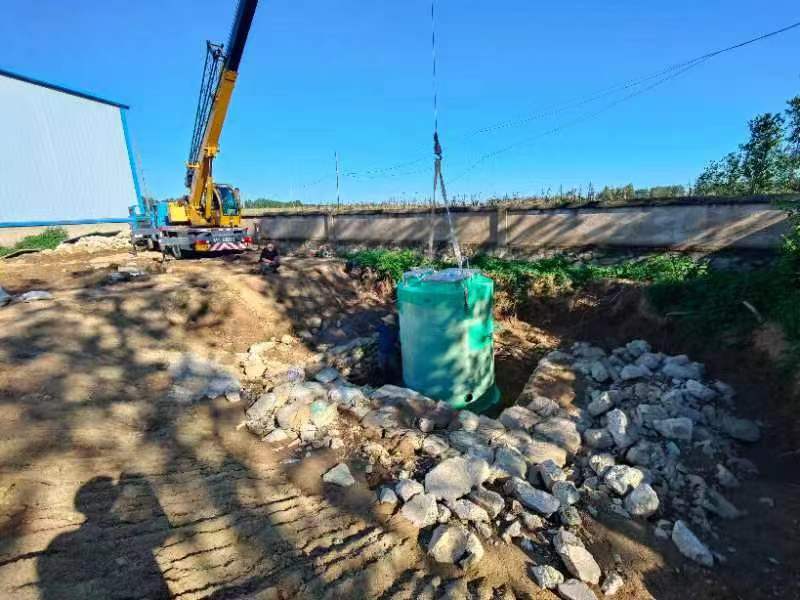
111	489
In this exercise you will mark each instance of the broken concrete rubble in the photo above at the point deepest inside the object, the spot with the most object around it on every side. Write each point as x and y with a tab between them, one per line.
339	475
468	473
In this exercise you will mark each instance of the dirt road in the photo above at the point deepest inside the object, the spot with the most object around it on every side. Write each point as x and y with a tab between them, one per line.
111	489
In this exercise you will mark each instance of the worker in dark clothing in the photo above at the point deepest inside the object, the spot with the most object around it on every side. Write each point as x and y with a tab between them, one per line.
270	259
389	350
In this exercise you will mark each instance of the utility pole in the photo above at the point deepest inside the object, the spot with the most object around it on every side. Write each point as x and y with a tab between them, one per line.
338	199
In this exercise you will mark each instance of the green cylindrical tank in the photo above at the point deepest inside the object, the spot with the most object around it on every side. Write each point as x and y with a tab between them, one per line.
446	328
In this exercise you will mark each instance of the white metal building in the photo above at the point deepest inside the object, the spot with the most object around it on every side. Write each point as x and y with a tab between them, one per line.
65	156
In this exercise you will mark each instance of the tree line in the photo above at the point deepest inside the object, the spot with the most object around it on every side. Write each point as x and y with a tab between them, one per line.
767	163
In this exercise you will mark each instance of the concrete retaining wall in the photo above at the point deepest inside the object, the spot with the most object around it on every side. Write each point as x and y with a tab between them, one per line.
684	227
11	235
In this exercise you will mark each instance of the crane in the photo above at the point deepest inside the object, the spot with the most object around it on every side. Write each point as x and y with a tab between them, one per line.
208	218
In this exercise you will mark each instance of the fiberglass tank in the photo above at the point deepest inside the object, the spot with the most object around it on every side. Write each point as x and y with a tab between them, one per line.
446	328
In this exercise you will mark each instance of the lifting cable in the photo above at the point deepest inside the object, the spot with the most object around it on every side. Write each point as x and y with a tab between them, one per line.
438	178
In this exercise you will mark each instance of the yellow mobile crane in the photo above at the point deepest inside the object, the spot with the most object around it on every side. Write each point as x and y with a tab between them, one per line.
208	218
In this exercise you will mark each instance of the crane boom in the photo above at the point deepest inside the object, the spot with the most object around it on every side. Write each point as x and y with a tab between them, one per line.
205	205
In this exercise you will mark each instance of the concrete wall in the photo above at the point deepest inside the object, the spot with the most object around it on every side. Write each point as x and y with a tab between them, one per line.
690	226
11	235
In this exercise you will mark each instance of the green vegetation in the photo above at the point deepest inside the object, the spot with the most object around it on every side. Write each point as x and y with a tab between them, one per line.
769	162
269	203
48	239
708	302
388	263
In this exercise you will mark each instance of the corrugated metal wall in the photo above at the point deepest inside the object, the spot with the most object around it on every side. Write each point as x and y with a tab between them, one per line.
62	157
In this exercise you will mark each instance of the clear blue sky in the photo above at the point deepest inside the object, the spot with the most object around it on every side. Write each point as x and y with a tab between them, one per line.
354	76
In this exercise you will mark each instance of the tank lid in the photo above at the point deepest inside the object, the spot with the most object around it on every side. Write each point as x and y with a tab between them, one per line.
444	275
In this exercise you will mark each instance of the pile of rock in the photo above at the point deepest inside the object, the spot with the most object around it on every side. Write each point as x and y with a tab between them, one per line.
95	243
355	360
532	475
195	378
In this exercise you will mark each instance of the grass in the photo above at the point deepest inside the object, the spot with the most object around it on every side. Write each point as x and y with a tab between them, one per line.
48	239
709	303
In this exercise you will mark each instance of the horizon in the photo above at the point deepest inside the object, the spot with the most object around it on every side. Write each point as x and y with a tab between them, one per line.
297	103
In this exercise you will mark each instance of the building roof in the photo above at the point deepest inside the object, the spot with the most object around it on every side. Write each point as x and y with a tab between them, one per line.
60	88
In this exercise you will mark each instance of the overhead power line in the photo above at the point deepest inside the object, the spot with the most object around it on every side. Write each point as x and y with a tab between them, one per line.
658	78
555	109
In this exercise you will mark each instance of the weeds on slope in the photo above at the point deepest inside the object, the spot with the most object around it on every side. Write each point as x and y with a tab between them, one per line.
708	302
47	240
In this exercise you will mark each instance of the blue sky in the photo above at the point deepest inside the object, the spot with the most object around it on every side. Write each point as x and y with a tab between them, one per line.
355	77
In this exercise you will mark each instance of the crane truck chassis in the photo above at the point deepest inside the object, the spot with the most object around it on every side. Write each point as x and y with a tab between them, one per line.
208	218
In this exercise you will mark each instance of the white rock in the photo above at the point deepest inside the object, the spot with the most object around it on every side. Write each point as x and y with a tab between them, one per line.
573	589
550	473
519	417
475	552
690	546
537	500
547	577
276	436
433	445
562	432
490	501
327	375
469	420
621	478
451	479
618	426
642	501
599	372
566	492
543	406
726	478
578	560
448	544
612	584
679	367
323	413
293	416
649	360
426	425
539	451
637	347
469	511
569	516
600	463
339	475
408	488
509	462
677	428
34	296
421	510
599	439
699	391
386	495
634	372
601	404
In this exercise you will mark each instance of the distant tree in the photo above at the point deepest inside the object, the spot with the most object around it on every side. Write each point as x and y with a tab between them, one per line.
792	150
761	154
